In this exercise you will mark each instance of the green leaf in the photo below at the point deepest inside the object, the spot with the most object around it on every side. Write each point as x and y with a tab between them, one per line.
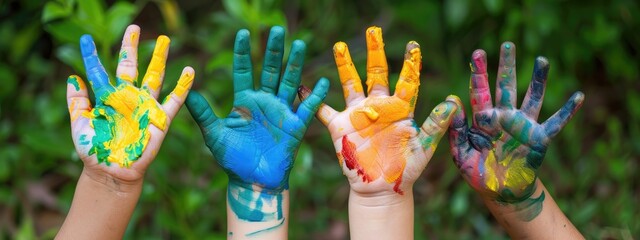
493	6
70	55
91	13
53	10
66	31
118	17
26	231
456	12
235	8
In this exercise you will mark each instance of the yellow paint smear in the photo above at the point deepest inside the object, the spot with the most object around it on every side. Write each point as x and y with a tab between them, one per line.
510	173
153	77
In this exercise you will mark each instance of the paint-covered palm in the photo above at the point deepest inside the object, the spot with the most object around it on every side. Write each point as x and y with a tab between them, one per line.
121	134
257	142
380	147
500	154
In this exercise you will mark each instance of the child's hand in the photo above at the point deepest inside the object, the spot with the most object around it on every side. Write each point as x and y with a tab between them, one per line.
257	142
120	136
501	153
379	145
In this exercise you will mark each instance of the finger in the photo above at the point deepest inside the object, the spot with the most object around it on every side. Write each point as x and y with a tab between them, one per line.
349	78
77	97
533	99
479	91
200	111
152	80
272	60
558	120
242	78
458	131
127	71
377	70
325	113
175	99
96	73
291	79
436	124
409	81
311	103
506	88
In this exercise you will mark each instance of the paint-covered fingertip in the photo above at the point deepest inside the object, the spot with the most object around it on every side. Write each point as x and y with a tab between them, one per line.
87	47
455	99
276	31
443	113
479	61
163	40
542	62
413	52
508	46
340	49
77	82
411	45
374	38
242	33
578	98
298	45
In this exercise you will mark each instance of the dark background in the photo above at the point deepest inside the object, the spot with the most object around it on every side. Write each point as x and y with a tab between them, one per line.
591	167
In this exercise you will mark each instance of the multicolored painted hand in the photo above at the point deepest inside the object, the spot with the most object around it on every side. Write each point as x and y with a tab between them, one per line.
121	135
379	145
257	142
500	154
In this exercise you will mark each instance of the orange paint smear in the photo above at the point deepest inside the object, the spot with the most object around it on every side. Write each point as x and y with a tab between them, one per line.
346	69
377	68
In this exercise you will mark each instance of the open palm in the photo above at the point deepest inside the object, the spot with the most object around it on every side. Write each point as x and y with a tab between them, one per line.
257	142
120	136
379	145
500	154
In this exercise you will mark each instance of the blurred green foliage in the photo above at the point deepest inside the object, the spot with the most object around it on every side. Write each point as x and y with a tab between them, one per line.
591	168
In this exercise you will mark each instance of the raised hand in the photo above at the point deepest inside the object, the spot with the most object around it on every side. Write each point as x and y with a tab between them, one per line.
120	136
379	145
500	154
257	142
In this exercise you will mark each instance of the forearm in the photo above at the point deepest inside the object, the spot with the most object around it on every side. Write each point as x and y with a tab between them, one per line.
253	212
537	217
101	208
381	216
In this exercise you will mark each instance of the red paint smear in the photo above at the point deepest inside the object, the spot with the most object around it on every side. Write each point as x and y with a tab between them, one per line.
396	187
349	154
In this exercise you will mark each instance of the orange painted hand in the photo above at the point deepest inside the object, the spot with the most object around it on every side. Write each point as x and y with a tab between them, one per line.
121	134
379	145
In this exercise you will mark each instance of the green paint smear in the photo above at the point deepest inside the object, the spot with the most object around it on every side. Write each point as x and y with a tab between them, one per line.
265	230
74	81
530	208
246	194
105	127
426	142
83	140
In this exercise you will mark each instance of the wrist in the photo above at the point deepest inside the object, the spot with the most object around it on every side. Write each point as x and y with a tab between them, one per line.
381	215
105	181
253	203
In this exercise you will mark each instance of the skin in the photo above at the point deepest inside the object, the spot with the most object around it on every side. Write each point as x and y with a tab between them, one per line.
257	142
379	146
501	153
117	138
